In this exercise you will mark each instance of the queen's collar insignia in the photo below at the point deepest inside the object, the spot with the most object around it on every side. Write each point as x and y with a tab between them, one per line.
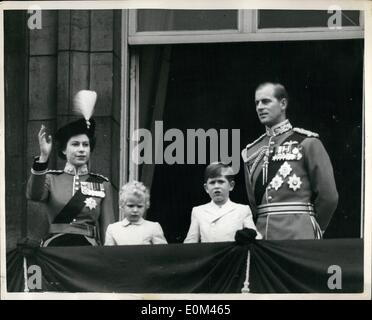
81	171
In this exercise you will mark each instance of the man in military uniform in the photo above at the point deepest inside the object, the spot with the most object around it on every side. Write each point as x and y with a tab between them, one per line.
289	176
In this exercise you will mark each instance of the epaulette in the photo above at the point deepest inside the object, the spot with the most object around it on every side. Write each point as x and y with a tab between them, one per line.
244	155
245	150
99	175
255	141
54	171
306	132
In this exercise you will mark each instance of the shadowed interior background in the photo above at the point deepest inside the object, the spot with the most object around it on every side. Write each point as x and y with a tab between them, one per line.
213	86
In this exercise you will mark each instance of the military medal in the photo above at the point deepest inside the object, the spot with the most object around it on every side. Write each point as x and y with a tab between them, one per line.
285	169
294	182
90	203
288	152
276	183
297	153
93	189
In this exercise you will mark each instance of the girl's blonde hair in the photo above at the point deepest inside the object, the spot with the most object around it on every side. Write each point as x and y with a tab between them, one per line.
136	188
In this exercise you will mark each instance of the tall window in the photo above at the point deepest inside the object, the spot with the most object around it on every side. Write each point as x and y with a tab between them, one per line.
156	26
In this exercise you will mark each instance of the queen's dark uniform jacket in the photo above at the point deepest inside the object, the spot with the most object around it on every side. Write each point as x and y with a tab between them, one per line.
290	183
77	202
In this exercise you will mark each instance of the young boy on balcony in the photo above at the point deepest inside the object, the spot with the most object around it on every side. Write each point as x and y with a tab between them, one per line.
221	218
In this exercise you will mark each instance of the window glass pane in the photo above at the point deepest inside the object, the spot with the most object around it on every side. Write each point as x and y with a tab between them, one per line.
303	18
179	20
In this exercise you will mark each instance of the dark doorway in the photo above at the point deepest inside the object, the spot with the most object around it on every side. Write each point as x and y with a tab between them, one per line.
212	86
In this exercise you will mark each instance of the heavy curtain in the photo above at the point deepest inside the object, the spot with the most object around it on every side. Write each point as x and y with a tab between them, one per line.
302	266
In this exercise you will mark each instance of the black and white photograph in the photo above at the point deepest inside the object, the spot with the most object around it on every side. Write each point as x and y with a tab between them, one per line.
180	151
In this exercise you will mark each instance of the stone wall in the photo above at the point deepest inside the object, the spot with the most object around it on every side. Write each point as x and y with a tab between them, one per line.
74	50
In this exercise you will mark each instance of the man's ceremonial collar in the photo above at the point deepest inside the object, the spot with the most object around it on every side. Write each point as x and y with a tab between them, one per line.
70	169
279	128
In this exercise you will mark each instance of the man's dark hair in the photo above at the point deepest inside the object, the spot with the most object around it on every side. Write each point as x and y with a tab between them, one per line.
279	90
218	169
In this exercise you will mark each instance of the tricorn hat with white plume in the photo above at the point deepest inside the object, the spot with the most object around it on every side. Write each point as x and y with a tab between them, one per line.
84	102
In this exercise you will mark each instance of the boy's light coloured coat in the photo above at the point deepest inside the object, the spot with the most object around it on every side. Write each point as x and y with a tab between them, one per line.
210	223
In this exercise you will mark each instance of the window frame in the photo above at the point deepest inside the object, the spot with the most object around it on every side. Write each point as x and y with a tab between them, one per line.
247	30
360	27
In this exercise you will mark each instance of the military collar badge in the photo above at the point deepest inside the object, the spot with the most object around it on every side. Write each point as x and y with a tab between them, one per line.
70	169
278	129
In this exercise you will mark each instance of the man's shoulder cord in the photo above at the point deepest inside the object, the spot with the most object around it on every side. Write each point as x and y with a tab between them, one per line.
249	145
257	152
95	177
56	172
307	133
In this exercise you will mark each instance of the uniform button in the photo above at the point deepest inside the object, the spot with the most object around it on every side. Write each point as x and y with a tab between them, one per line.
269	198
77	183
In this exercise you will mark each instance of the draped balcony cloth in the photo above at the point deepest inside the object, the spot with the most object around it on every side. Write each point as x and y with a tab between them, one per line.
300	266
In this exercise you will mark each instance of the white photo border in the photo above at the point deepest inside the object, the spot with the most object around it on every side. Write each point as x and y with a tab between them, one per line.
363	5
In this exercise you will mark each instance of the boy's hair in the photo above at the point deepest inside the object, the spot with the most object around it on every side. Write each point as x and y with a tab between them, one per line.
218	169
134	188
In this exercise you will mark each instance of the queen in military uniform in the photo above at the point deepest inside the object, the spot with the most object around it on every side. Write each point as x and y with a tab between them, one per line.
79	202
289	176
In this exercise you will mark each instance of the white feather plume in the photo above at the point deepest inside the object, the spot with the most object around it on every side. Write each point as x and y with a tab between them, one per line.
84	102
